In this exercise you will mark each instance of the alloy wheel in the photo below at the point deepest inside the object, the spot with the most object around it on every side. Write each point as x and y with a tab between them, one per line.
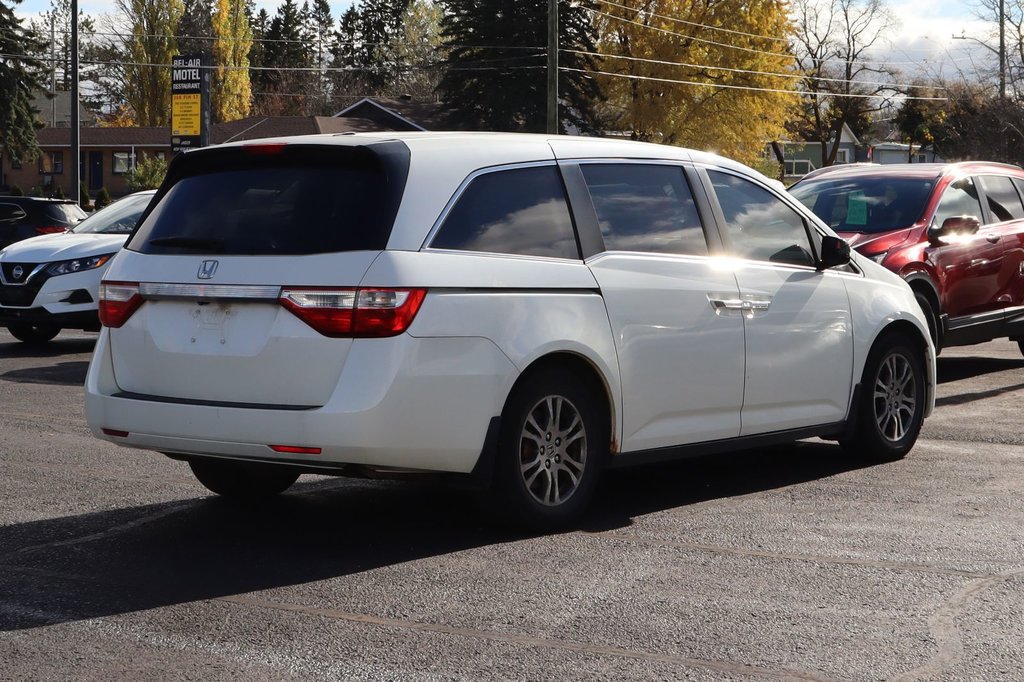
895	397
552	450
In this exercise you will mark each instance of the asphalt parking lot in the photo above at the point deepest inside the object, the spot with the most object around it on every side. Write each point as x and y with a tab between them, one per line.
786	563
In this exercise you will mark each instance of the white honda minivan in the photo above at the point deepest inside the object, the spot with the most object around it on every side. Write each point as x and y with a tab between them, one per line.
525	311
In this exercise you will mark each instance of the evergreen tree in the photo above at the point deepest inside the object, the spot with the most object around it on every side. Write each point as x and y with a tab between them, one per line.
232	93
196	27
58	17
285	49
319	33
369	40
19	79
495	69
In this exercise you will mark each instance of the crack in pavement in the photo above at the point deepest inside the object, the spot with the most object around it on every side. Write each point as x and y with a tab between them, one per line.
529	640
944	630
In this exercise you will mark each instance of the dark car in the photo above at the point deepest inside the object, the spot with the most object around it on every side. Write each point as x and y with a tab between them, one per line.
954	232
24	217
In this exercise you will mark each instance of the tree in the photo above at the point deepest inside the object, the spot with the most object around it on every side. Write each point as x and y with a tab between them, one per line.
918	119
701	74
841	84
284	48
19	80
195	29
232	93
58	17
151	27
320	38
974	123
148	173
494	72
419	51
366	48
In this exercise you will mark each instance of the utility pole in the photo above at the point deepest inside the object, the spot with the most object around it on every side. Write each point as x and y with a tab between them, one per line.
76	142
53	73
1002	49
553	126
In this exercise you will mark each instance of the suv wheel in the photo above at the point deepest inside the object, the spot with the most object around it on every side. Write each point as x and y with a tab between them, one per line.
553	445
892	401
33	333
243	480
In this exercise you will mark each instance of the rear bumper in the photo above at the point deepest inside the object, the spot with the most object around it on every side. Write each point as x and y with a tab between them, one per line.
429	412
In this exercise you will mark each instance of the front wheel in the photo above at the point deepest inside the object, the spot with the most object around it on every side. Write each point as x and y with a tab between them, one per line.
932	316
33	334
890	409
243	480
553	446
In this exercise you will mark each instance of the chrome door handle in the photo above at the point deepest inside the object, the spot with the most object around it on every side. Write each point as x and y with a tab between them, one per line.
720	304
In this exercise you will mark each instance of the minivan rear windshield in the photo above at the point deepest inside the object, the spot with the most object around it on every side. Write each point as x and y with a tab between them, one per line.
868	204
294	202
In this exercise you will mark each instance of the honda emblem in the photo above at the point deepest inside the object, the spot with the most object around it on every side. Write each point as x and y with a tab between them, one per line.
207	269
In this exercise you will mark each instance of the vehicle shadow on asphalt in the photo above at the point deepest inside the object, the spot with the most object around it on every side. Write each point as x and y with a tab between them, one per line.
144	557
61	374
961	367
55	348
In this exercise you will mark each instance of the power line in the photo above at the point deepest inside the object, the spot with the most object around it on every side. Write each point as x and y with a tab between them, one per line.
794	76
797	93
694	23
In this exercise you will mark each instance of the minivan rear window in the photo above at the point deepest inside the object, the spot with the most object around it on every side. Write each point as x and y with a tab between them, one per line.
296	203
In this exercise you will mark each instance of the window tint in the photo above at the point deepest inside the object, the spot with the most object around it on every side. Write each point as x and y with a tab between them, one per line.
118	218
521	212
959	199
759	224
1002	197
645	208
289	207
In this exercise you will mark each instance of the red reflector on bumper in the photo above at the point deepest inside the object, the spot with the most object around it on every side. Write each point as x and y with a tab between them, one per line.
115	432
295	449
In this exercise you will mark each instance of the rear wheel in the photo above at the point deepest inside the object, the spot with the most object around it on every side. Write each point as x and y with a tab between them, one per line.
243	480
890	408
33	333
553	445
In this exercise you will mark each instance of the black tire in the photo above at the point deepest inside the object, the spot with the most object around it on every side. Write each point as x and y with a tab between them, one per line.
548	463
932	316
33	334
890	409
243	480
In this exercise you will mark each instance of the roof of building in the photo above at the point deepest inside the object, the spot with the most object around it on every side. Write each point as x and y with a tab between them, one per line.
414	114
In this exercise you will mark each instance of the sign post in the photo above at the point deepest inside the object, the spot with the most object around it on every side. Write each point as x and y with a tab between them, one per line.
190	101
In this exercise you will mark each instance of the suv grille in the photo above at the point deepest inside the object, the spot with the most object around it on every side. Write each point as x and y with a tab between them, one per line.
17	273
16	293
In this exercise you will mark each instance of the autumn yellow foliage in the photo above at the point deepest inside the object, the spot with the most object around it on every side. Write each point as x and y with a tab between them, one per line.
232	93
706	74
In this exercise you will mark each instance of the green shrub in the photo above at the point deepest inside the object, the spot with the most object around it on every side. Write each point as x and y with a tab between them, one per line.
36	191
84	200
102	198
147	174
17	191
58	192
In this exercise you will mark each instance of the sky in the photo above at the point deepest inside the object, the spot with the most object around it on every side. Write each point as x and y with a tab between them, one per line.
920	41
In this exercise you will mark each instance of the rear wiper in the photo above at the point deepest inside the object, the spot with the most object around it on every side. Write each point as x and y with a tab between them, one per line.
196	243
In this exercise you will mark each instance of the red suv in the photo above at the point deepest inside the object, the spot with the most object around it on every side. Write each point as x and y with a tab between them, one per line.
954	232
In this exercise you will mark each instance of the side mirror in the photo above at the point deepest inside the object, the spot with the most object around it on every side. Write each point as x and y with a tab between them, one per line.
957	225
834	252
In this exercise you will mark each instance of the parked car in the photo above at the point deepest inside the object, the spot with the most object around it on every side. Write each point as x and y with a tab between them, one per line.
954	232
51	282
523	311
24	217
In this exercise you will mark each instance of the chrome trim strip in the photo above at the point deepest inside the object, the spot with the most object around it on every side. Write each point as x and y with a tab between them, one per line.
248	292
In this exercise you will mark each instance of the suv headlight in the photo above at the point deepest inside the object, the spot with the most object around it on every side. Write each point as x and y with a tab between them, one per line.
66	267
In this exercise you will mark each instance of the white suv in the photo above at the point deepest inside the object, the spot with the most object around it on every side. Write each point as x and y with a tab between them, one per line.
523	310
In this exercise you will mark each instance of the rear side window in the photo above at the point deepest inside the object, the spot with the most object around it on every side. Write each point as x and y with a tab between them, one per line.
298	203
1002	197
10	212
959	199
760	225
520	212
645	208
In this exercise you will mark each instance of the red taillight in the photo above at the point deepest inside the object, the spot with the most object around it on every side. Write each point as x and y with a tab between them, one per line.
352	313
265	149
295	449
118	300
50	229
